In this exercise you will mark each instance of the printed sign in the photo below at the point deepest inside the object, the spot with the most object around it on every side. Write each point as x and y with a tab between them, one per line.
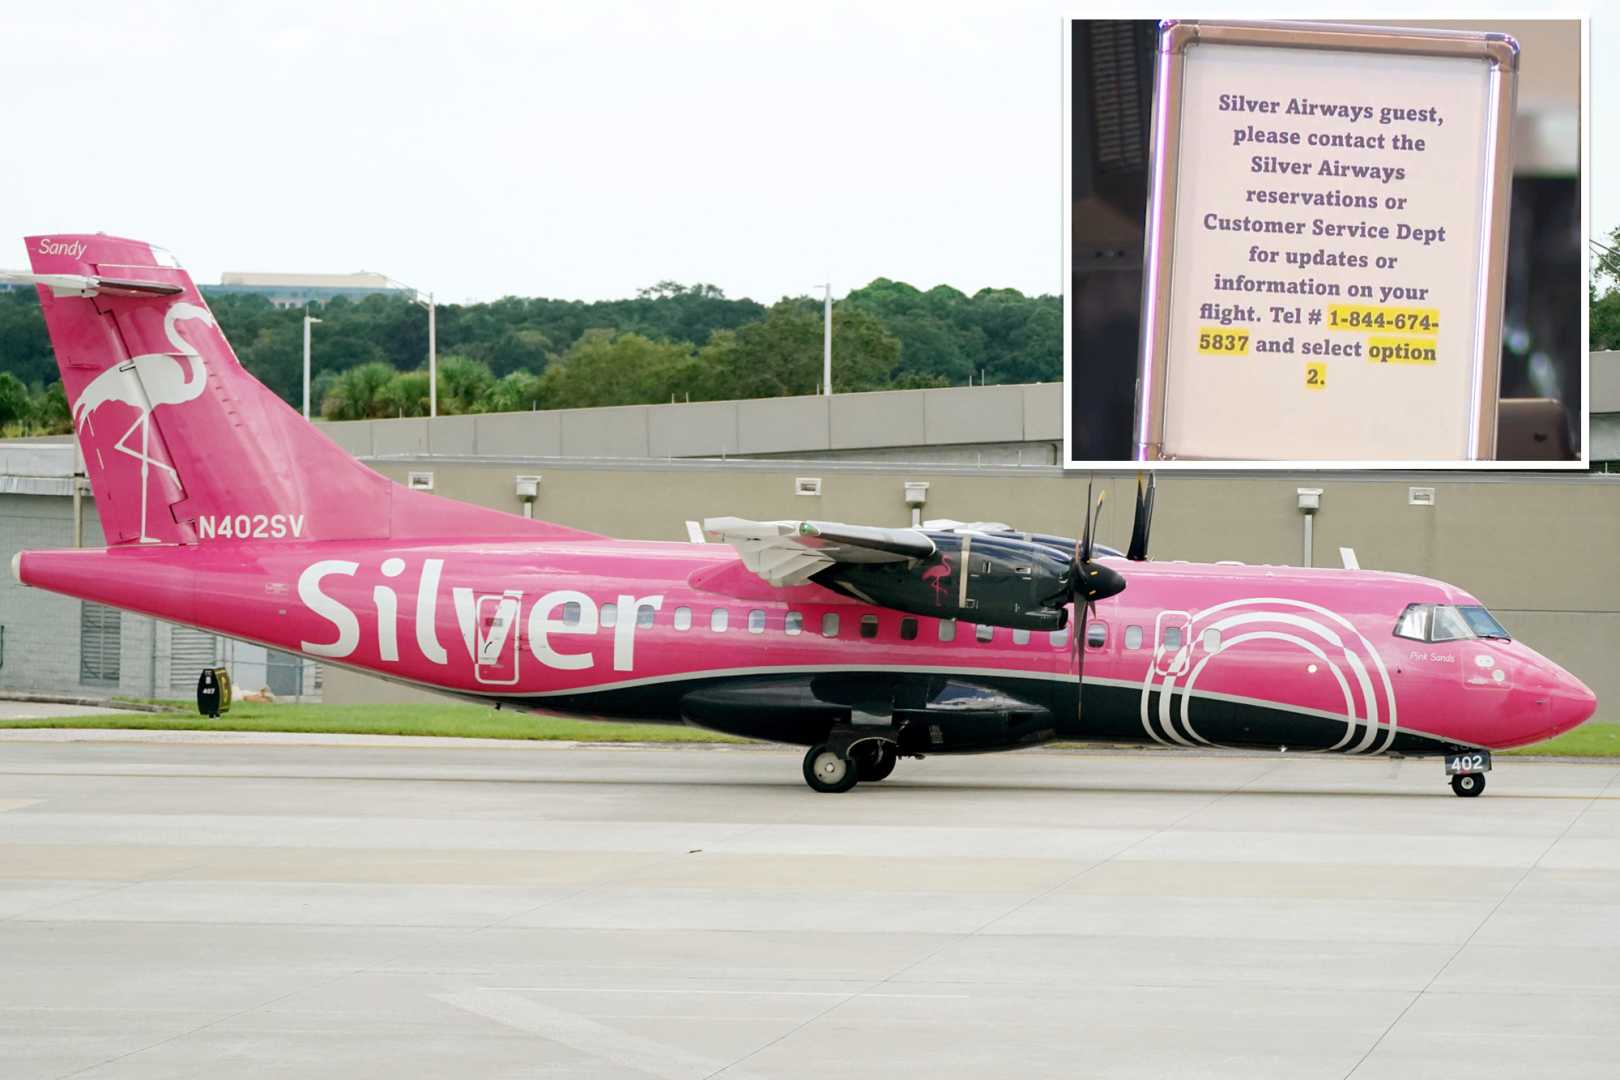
1326	244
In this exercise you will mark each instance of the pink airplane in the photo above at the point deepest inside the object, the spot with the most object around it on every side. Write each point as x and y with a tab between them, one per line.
225	510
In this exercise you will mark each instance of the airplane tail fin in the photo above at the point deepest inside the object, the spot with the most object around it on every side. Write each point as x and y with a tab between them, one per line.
181	443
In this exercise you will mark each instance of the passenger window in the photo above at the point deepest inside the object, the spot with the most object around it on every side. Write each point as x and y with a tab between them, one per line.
570	613
644	616
1414	622
947	629
610	614
683	618
869	626
983	632
1172	637
717	620
795	622
829	624
1060	638
1212	640
1096	635
1020	636
908	629
1133	637
756	621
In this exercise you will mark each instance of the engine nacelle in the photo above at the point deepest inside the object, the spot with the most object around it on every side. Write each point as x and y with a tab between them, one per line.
993	580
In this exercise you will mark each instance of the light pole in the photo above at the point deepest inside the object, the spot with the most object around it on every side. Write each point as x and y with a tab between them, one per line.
309	320
433	339
433	355
826	343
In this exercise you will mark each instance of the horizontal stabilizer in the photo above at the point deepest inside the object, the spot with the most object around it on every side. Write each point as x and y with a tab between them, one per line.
84	285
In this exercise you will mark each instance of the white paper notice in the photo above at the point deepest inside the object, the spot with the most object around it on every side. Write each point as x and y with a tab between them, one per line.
1329	235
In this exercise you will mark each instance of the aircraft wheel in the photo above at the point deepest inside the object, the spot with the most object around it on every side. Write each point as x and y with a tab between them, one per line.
1468	785
878	762
828	771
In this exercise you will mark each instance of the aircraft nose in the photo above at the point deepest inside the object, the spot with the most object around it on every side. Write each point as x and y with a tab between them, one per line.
1553	701
1575	704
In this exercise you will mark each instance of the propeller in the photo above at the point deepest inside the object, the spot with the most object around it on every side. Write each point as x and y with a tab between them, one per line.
1089	581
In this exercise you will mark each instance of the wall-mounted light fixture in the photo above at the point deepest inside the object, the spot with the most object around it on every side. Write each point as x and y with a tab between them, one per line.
1310	501
528	490
916	496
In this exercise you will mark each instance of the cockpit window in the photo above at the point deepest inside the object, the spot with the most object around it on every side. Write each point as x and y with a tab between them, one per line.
1444	622
1483	623
1414	622
1448	625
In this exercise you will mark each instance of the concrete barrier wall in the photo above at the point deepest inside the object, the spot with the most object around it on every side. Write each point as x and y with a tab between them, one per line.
883	421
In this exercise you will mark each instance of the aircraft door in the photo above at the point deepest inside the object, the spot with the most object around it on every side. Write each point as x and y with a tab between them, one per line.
1172	643
497	631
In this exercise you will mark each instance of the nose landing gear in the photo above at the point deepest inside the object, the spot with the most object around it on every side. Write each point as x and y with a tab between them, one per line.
1467	770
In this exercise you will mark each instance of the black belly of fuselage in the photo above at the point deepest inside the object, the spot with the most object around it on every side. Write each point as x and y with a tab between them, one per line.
943	713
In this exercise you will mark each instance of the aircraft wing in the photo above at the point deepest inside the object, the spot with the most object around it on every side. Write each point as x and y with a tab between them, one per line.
790	552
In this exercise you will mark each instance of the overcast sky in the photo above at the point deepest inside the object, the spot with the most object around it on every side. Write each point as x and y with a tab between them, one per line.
575	150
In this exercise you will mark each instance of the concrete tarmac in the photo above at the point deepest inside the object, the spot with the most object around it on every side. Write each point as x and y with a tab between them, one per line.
282	908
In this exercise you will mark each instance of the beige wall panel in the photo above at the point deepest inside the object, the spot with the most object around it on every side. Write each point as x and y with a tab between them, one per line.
708	429
783	425
340	686
403	436
976	414
888	418
454	435
353	435
598	433
530	434
1605	382
1043	411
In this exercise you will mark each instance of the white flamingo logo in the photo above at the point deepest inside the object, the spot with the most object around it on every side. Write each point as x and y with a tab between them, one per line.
145	382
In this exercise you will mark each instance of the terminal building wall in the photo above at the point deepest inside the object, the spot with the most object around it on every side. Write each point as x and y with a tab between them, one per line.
1536	548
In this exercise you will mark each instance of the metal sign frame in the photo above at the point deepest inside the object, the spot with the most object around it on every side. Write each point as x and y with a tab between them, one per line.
1499	51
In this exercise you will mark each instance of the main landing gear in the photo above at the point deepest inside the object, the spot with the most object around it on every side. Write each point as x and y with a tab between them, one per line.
838	764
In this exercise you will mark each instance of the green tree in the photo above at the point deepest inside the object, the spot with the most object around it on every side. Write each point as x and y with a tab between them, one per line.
782	353
619	369
16	404
406	394
356	394
1605	319
50	411
464	385
519	391
1605	303
25	350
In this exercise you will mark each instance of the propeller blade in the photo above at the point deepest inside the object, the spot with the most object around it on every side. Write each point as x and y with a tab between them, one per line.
1143	522
1093	516
1082	619
1082	550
